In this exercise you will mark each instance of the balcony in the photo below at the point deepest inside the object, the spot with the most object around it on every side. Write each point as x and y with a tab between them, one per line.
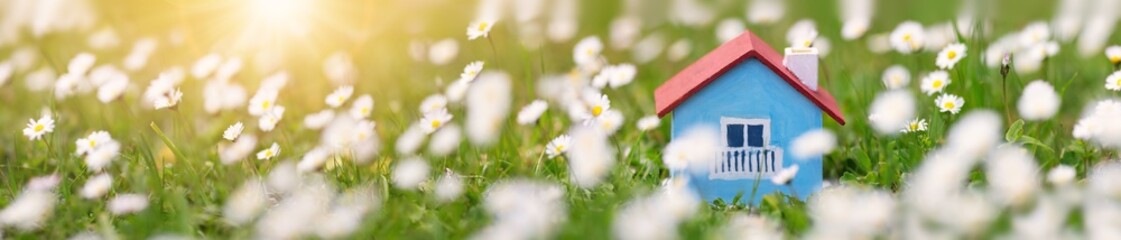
746	162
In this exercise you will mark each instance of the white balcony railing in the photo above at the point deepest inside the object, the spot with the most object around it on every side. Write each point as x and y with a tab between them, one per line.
746	162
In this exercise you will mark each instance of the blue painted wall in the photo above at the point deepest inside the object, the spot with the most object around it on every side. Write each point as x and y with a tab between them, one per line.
751	90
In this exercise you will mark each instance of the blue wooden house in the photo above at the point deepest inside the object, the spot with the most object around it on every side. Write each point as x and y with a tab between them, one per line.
759	101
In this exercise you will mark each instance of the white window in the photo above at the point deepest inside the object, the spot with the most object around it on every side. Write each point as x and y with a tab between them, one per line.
747	152
745	132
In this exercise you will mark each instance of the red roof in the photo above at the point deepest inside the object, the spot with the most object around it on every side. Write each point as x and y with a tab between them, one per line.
691	80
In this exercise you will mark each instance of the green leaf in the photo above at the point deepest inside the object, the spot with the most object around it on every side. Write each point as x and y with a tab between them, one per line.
1035	142
1014	131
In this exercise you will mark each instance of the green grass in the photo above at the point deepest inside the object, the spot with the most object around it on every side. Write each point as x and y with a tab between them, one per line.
171	155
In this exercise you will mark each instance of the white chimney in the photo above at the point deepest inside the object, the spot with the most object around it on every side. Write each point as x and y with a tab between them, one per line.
803	63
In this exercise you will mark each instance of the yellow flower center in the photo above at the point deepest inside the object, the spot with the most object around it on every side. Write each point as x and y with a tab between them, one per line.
1115	59
952	54
559	148
39	127
807	43
597	110
914	126
483	26
435	124
268	153
907	38
948	105
266	104
937	84
93	143
364	111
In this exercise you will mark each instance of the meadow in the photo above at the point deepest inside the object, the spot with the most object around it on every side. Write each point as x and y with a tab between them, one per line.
385	119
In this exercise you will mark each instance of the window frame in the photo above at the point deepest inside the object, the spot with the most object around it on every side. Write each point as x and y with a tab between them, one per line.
725	121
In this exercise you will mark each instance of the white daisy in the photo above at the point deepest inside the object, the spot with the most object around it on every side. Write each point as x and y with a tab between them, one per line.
813	143
112	89
434	120
679	49
896	77
1061	175
269	153
935	82
479	28
615	76
949	103
206	65
433	103
449	187
313	160
729	29
319	120
802	34
471	71
6	70
168	99
488	104
220	95
766	11
410	140
1039	101
127	204
29	211
339	96
446	140
362	107
410	173
785	175
916	125
96	186
339	68
276	81
648	123
245	203
81	63
36	128
1113	53
94	140
558	146
268	121
262	101
950	56
530	113
908	37
610	121
440	53
238	150
233	131
597	103
1113	81
590	156
891	110
587	51
40	80
457	90
228	69
100	157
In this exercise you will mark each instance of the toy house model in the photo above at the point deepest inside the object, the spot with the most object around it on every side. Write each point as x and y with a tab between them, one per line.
759	101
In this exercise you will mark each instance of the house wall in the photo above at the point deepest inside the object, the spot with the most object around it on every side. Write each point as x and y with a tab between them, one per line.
751	90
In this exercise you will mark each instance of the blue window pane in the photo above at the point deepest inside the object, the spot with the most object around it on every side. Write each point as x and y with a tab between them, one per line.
735	135
755	135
